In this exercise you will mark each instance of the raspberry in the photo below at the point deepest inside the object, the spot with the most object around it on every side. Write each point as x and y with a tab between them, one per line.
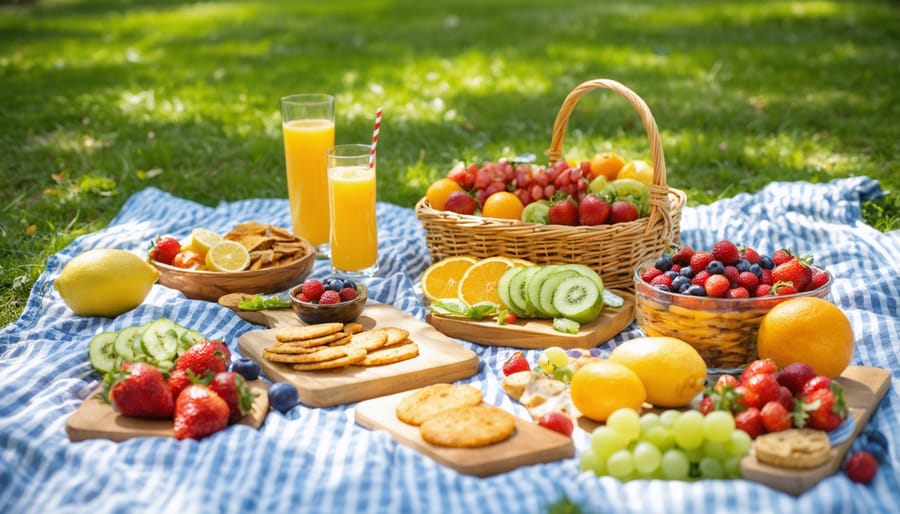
329	297
747	280
726	251
700	260
302	297
347	294
861	467
312	289
700	278
731	273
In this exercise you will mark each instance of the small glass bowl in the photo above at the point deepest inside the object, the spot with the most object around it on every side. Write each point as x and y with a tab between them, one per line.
342	312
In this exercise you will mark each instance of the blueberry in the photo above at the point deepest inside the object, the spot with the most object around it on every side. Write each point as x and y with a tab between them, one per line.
349	283
573	353
663	287
283	396
766	262
664	263
596	352
756	269
671	274
681	283
245	367
687	271
333	284
696	290
876	450
743	265
876	437
715	268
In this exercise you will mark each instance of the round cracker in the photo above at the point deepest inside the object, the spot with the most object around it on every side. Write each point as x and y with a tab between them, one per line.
394	335
468	427
368	341
424	403
323	354
392	354
797	448
336	339
353	356
307	332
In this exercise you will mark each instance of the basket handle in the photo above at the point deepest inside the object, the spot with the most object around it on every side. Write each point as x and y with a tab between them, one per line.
555	153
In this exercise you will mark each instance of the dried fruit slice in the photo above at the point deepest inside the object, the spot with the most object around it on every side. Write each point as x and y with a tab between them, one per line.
441	279
227	256
479	283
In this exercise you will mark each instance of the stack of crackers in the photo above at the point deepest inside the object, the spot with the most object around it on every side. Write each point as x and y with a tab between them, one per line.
453	416
335	345
269	246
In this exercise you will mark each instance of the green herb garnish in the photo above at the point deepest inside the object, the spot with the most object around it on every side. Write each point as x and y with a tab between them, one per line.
258	303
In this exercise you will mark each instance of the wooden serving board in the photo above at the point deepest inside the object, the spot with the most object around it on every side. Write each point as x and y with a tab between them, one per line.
529	444
864	387
539	333
96	419
440	359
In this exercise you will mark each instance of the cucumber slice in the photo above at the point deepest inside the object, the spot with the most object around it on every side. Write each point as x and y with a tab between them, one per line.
102	351
124	339
533	289
137	343
548	290
578	299
503	285
160	340
566	326
188	338
518	292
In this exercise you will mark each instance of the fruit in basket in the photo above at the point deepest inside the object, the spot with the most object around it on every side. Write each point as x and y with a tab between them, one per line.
564	211
440	190
593	210
809	330
441	279
105	282
672	371
537	212
606	164
504	205
460	202
641	171
601	387
622	211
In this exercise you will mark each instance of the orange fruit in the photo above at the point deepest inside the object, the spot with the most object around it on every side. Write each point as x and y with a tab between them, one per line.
638	170
671	370
503	204
479	282
606	164
439	190
810	330
600	388
441	279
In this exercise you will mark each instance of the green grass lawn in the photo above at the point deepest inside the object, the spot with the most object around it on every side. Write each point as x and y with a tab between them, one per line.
103	98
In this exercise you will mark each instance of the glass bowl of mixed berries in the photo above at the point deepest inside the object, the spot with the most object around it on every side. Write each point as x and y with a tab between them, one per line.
334	299
715	299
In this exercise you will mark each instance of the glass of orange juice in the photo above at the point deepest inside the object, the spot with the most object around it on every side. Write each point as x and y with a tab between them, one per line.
351	194
308	129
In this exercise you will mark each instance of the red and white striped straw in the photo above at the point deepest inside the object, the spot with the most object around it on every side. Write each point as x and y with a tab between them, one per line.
375	137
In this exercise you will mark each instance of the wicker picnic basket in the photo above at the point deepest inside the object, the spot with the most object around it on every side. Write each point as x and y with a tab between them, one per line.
612	250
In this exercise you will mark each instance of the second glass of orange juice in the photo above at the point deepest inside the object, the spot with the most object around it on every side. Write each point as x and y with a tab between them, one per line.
308	129
351	191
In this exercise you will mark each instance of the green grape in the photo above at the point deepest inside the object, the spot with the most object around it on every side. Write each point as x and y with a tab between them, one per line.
620	464
711	468
732	467
739	443
606	441
552	358
563	374
648	421
718	426
669	417
587	461
675	465
626	422
661	437
694	455
715	450
647	457
689	430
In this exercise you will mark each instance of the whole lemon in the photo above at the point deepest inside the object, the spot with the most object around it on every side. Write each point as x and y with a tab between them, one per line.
672	371
810	330
600	388
105	282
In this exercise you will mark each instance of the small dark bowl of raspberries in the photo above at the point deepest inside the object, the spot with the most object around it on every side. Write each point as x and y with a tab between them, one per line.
334	299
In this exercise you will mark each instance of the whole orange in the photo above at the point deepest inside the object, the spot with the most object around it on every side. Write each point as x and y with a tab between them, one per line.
503	204
809	330
600	388
638	170
606	164
439	191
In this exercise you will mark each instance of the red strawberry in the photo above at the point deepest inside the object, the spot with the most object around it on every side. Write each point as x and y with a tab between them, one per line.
650	273
141	391
826	408
165	249
750	421
751	255
563	212
763	290
781	256
233	389
558	422
178	380
716	286
818	278
746	397
775	417
661	280
593	210
726	252
329	297
786	398
199	412
515	363
700	260
783	288
759	366
765	277
737	292
795	375
725	381
861	467
683	255
707	405
205	357
460	202
622	212
748	280
700	278
814	383
796	271
312	290
764	386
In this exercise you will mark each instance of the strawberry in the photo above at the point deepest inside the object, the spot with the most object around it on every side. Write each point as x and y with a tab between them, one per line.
199	412
747	397
165	249
205	357
765	277
814	383
700	260
460	202
725	381
178	380
750	421
593	210
822	409
796	271
233	389
707	405
716	286
764	387
312	290
786	398
650	273
763	290
861	467
515	363
683	255
795	375
775	418
748	280
783	288
817	279
563	212
622	211
781	256
726	252
140	391
700	278
751	255
737	292
661	280
759	366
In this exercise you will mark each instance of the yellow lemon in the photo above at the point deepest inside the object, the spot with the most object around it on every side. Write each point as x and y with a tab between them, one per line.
227	256
202	240
671	370
105	282
637	170
600	388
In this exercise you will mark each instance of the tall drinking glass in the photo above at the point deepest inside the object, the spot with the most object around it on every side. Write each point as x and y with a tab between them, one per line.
308	129
351	192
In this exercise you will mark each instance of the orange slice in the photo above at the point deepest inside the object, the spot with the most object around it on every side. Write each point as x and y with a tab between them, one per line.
441	279
479	283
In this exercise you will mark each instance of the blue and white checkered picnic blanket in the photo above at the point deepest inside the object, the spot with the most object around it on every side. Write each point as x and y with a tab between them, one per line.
319	460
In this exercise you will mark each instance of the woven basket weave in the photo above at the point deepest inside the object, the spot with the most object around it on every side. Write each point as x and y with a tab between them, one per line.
612	250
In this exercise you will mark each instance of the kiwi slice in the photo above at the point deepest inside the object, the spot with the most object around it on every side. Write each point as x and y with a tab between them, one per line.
518	291
578	299
584	271
548	290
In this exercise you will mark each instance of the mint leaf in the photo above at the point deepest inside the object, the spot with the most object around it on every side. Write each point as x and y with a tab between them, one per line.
258	303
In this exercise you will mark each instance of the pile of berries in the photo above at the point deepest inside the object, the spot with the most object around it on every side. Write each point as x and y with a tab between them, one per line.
871	449
766	399
730	271
329	291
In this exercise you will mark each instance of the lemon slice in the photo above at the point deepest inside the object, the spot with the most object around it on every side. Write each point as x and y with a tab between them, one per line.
202	240
227	256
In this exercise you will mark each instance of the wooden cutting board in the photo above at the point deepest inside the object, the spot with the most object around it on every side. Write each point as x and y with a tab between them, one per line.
864	387
440	359
539	333
529	444
96	419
